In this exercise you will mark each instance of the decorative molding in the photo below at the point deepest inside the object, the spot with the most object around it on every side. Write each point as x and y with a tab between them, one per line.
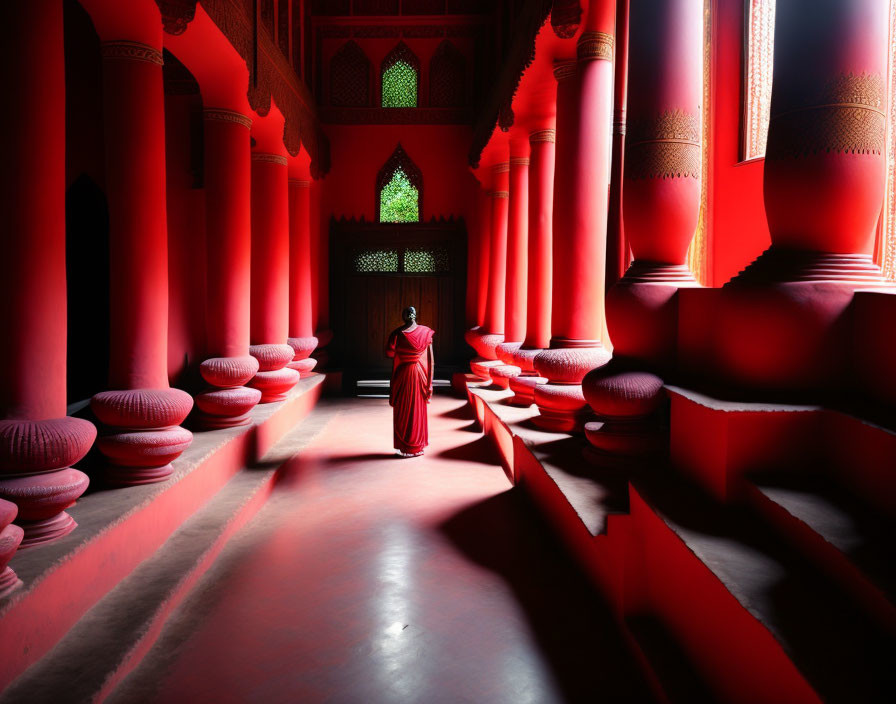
566	15
396	116
549	135
564	69
299	183
849	116
499	194
501	168
349	72
595	46
519	161
665	147
269	158
131	51
222	115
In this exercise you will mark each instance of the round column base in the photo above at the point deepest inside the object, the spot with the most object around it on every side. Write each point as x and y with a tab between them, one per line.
206	421
143	457
47	530
276	384
119	476
523	388
225	408
524	358
303	366
569	365
9	582
637	440
561	408
502	374
505	352
481	367
41	500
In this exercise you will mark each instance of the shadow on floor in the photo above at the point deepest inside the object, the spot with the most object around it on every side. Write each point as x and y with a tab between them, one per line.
481	451
571	623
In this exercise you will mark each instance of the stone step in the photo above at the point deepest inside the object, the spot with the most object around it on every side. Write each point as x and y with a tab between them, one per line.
122	626
843	536
118	529
842	655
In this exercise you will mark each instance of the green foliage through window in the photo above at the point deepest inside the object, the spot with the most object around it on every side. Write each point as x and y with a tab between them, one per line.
400	86
399	199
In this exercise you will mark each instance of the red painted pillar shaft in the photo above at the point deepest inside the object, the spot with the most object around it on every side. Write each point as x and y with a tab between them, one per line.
662	178
141	414
580	225
474	236
497	275
270	277
617	247
227	197
301	327
38	442
540	213
517	264
485	243
824	184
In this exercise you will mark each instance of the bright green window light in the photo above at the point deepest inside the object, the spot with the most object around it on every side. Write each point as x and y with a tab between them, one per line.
399	200
400	86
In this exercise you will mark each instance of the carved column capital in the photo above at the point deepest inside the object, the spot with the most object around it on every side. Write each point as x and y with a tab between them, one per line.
594	46
222	115
549	135
564	69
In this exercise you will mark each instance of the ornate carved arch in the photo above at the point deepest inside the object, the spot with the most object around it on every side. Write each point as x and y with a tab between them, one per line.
447	77
399	160
401	52
350	77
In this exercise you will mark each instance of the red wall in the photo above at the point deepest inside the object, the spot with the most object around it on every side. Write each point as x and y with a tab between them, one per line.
359	152
739	230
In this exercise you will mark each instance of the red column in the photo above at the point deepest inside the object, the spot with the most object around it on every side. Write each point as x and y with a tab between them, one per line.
538	320
617	247
580	225
781	324
479	273
227	198
661	190
662	179
141	414
320	274
38	442
270	278
301	328
517	264
492	333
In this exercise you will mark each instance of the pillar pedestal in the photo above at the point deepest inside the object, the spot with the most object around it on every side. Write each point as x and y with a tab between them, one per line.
10	539
274	379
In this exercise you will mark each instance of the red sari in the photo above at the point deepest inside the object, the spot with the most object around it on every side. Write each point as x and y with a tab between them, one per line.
410	387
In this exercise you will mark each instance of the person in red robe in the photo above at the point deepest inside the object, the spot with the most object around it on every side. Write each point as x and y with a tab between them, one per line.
410	389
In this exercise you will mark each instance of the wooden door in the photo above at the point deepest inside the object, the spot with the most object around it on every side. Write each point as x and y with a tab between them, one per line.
377	270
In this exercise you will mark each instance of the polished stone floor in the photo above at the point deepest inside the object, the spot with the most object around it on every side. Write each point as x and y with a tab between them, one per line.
369	578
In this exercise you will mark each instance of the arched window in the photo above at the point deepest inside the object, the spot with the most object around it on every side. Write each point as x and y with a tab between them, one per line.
400	72
447	77
350	77
399	189
760	39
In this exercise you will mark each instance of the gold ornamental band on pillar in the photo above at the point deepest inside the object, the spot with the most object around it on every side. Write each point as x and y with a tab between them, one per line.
549	135
501	168
564	69
594	46
131	51
299	183
665	147
231	116
499	194
519	161
269	158
849	115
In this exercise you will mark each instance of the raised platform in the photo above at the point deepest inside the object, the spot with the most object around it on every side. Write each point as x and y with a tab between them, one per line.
720	600
118	529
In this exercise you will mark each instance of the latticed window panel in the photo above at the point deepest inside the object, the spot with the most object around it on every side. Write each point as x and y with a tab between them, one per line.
760	64
428	260
399	199
350	77
447	77
376	261
400	86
